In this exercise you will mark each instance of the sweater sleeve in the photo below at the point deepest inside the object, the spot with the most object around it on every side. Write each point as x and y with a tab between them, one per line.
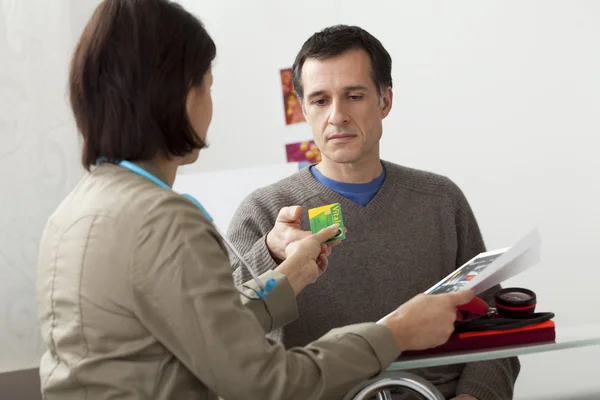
247	231
485	380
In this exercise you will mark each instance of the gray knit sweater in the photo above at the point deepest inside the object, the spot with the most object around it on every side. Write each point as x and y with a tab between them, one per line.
415	231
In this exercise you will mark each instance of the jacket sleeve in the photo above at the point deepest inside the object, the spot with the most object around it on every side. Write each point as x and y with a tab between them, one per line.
485	380
184	295
278	309
248	231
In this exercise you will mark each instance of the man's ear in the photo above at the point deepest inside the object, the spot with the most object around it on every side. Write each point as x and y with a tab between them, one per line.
386	102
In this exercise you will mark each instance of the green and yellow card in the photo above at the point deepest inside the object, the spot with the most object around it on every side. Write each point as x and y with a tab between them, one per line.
322	217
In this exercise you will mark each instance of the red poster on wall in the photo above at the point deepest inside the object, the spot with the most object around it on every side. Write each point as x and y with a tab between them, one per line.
304	153
291	105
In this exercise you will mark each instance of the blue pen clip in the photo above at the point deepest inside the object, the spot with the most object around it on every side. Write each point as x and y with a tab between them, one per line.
268	287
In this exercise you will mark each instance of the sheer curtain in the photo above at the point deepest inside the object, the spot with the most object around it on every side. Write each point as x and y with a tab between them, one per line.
39	161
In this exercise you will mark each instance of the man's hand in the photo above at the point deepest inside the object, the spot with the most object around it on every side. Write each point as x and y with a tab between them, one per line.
287	230
464	397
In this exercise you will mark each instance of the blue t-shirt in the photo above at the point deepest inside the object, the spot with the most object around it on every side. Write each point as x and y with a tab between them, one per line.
360	193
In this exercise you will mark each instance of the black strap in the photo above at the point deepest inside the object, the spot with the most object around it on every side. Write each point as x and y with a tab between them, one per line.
486	323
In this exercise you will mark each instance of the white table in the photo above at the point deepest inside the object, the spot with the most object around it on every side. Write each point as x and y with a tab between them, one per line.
568	337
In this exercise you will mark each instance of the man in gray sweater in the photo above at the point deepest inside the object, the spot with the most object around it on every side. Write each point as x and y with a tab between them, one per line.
406	229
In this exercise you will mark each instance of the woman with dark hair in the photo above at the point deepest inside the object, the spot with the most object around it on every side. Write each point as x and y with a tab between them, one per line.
135	294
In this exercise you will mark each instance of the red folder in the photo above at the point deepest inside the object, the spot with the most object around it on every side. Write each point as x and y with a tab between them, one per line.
489	340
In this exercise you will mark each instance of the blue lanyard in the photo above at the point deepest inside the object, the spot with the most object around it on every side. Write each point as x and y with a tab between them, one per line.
262	290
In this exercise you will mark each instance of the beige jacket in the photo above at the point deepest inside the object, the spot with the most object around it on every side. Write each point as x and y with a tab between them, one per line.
136	301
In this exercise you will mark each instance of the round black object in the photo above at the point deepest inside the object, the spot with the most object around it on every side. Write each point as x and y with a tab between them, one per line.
515	302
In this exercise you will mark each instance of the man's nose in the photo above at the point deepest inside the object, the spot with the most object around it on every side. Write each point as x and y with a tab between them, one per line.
338	116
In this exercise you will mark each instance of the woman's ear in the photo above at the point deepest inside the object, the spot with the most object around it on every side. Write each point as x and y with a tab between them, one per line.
199	107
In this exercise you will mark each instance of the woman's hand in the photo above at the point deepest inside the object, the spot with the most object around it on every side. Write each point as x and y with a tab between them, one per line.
306	259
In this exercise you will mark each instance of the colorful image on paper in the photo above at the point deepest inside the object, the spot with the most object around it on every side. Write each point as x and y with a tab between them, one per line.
304	153
291	105
461	277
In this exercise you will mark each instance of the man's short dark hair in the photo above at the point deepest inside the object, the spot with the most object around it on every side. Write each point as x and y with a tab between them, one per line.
338	39
130	75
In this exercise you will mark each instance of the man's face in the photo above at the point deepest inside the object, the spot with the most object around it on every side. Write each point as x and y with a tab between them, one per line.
343	107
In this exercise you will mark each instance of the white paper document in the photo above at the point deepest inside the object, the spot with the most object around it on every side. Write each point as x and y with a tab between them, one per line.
492	267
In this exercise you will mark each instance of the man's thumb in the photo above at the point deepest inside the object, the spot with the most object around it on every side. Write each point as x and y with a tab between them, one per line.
327	233
289	214
295	213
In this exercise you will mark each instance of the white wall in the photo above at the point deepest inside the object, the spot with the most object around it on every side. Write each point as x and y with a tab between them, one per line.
502	96
39	163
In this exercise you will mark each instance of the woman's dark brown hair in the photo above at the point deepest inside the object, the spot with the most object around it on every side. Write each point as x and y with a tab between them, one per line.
130	75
